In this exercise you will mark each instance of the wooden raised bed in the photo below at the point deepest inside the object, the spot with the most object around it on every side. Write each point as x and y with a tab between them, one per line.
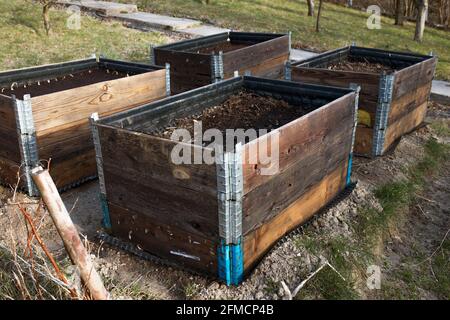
392	102
221	218
44	113
201	61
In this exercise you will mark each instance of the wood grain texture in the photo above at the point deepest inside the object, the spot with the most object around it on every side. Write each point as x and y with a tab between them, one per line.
254	55
56	111
310	148
409	79
402	106
363	141
164	240
8	172
404	125
140	176
9	143
369	82
259	241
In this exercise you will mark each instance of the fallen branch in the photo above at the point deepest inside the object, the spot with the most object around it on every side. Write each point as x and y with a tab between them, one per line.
69	234
294	293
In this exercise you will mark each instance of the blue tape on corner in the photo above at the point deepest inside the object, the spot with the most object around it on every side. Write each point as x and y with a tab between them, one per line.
230	261
349	169
237	263
106	221
224	263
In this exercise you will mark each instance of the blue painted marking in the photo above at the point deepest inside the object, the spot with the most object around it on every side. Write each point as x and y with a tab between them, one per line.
224	263
349	169
237	263
106	221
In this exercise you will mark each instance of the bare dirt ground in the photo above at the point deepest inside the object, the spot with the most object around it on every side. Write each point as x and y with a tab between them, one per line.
406	253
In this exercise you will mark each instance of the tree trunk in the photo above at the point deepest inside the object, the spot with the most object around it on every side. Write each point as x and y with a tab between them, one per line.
399	12
310	8
422	10
448	14
318	16
46	15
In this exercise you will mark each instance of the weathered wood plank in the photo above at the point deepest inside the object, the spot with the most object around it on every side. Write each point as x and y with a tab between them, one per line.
369	82
259	241
139	165
404	125
253	55
272	68
303	135
164	240
101	97
275	195
363	141
408	102
8	172
408	79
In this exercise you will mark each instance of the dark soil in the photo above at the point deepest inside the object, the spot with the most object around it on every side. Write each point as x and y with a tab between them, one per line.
360	66
65	82
225	46
245	110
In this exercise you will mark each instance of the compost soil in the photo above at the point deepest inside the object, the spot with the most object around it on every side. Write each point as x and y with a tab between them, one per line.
244	110
360	66
225	46
63	82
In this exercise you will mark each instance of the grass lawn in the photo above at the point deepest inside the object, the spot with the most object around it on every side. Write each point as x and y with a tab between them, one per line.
340	25
24	42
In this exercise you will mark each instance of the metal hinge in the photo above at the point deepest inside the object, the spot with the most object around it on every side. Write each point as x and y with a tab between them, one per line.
167	79
217	67
27	140
382	113
288	71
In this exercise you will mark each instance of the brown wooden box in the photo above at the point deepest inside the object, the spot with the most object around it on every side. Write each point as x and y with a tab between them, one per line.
395	103
221	218
201	61
44	113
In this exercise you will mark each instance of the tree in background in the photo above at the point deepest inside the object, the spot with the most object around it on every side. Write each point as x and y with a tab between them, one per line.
422	11
318	16
310	8
46	5
400	8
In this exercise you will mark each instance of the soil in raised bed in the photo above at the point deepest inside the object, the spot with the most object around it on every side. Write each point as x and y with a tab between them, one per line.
360	66
244	110
224	46
62	82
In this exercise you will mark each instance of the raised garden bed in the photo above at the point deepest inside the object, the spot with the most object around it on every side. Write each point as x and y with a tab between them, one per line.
221	217
201	61
44	114
395	89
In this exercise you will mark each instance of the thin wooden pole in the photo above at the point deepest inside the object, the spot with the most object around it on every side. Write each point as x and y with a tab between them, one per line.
69	233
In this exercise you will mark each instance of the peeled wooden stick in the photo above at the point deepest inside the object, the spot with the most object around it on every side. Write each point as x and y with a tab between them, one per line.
69	233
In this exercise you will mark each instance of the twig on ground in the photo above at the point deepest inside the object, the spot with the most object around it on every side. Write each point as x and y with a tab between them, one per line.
291	295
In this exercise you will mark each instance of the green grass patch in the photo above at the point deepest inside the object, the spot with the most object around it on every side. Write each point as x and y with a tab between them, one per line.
339	25
441	127
24	42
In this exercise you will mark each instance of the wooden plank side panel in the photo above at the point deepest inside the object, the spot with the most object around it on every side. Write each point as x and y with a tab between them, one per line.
302	137
253	55
69	170
302	165
369	82
402	106
272	68
8	172
408	79
363	141
163	240
9	143
141	176
404	125
59	110
259	241
187	70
